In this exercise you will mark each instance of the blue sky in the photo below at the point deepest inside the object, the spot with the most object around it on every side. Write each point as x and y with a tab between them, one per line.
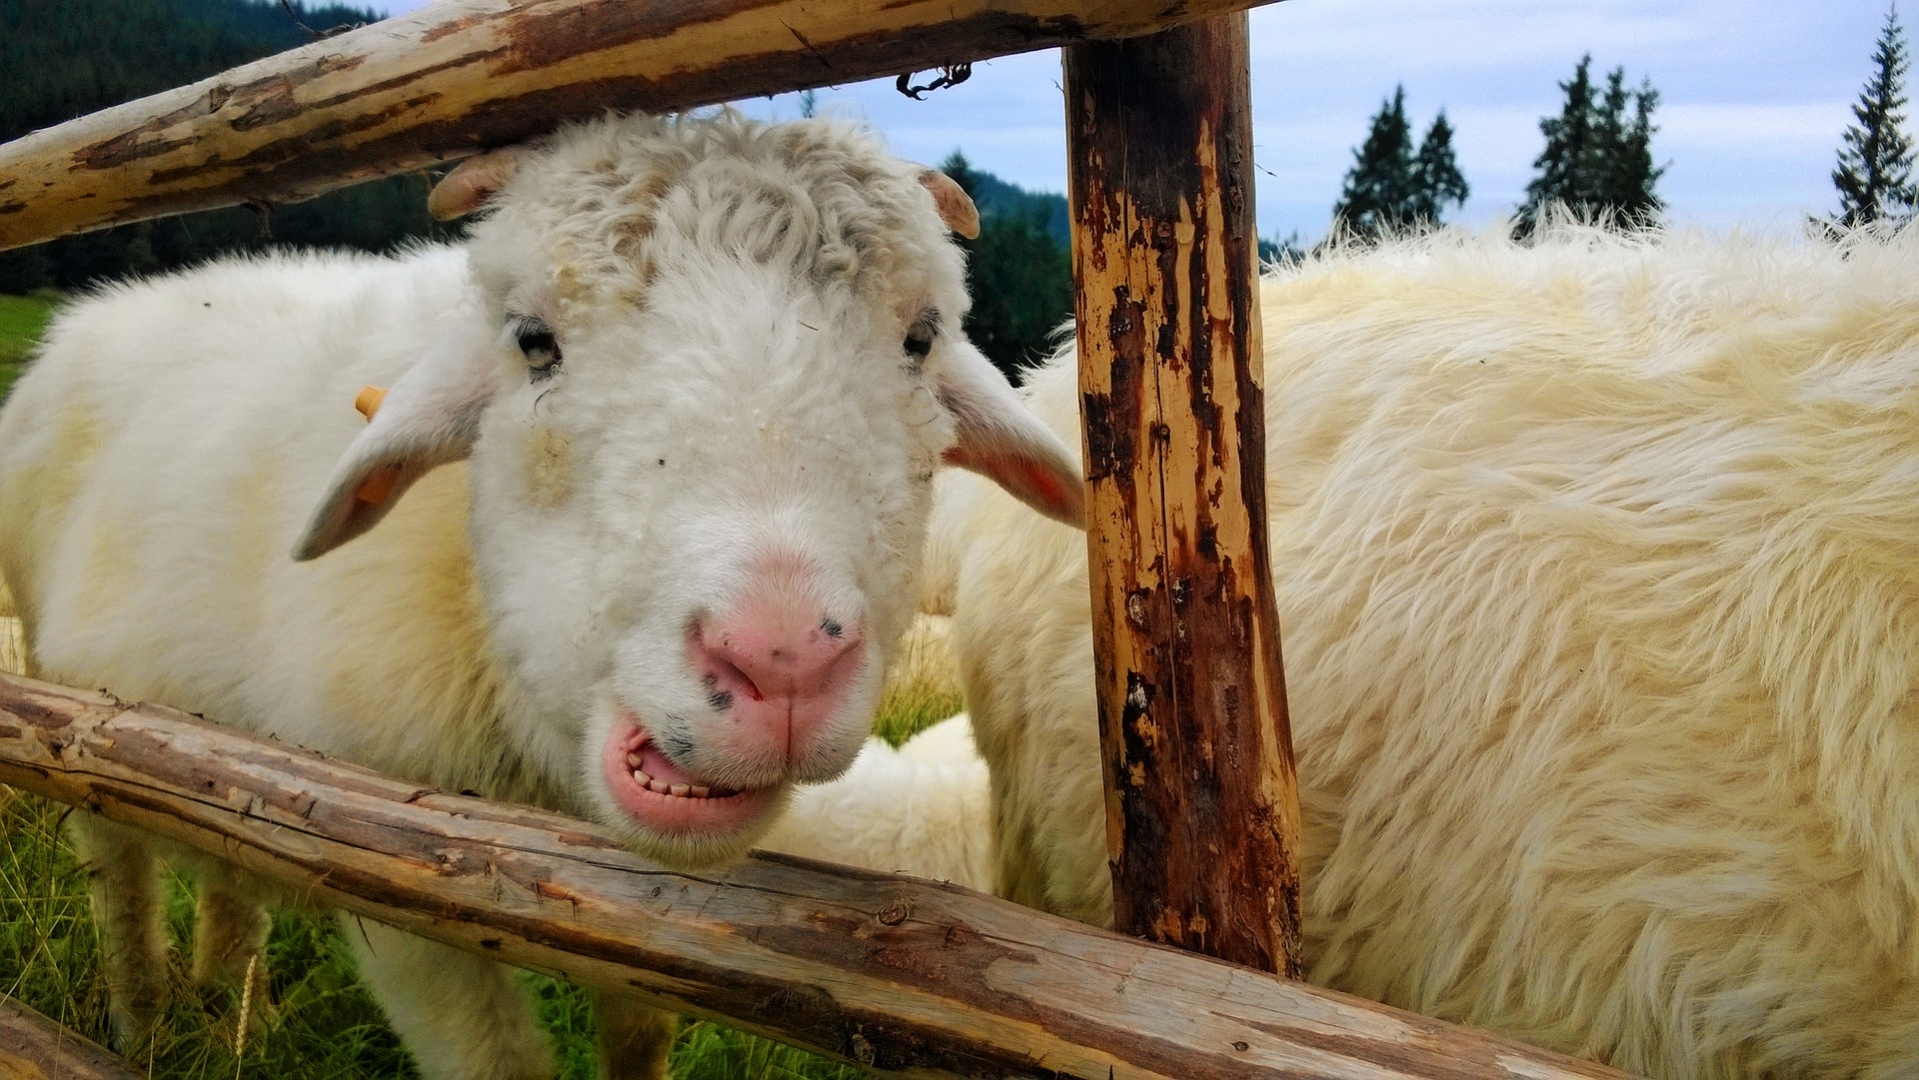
1753	97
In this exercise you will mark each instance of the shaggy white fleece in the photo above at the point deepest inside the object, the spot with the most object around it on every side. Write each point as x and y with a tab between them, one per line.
1597	563
921	809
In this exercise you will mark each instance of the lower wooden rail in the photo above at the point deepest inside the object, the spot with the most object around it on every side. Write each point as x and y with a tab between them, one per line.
33	1047
887	971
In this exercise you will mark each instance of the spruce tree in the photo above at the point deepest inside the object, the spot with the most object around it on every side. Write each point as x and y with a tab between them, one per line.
1379	190
1566	163
1436	176
1874	176
1392	188
1597	161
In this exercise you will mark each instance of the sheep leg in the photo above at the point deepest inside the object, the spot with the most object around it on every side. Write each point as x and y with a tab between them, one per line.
229	933
634	1038
461	1016
123	884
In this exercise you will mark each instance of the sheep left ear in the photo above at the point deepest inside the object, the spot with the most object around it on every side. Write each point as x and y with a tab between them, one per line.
1001	439
430	417
472	182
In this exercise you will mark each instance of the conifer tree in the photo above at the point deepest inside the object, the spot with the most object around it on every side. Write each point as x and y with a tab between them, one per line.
1597	161
1874	176
1436	176
1390	187
1379	188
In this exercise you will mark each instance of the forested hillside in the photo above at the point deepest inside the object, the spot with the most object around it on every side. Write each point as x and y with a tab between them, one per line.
63	58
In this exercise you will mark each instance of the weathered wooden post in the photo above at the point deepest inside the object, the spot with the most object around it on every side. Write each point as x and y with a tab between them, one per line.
1202	805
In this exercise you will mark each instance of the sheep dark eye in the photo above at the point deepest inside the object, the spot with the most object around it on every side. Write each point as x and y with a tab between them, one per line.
919	336
541	348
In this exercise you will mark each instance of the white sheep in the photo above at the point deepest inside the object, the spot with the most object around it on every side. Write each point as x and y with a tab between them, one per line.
690	381
1597	564
922	809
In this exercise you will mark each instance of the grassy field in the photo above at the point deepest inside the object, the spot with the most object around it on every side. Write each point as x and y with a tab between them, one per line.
22	319
322	1024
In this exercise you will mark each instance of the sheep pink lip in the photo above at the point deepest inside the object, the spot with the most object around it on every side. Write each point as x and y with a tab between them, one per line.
674	815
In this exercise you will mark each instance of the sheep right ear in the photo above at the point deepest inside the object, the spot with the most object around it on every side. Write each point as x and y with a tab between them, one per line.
472	182
1001	439
430	417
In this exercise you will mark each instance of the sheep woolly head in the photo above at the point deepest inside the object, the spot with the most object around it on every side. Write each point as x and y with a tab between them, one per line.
704	377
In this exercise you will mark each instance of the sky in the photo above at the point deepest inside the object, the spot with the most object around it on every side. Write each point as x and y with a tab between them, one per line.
1754	95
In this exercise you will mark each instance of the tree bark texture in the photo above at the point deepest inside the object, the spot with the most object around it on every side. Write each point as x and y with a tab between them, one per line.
889	971
33	1047
1202	805
466	75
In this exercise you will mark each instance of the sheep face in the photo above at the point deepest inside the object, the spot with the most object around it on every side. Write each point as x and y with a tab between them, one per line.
705	379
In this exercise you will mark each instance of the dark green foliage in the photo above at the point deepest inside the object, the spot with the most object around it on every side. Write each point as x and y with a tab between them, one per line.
1598	157
1390	187
1874	176
64	58
1020	276
1436	176
1282	251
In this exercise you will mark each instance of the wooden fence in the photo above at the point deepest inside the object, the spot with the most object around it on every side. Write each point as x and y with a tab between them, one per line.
885	971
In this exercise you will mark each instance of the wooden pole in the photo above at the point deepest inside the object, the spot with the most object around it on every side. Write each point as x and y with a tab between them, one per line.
33	1047
465	75
885	970
1202	805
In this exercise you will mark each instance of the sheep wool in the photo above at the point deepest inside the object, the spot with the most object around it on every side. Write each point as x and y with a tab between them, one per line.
1597	564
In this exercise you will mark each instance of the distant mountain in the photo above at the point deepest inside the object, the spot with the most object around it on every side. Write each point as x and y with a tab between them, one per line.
64	58
997	198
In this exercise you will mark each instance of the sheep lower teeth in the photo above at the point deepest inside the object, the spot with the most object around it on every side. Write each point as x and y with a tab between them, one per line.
681	790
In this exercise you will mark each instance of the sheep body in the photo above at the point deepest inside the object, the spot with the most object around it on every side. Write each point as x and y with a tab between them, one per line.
1597	564
671	413
920	809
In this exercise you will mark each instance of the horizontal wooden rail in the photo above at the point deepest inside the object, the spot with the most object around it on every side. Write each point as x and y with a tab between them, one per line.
464	75
33	1047
888	971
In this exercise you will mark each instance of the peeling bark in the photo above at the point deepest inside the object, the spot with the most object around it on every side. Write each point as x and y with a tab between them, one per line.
888	971
462	76
1202	804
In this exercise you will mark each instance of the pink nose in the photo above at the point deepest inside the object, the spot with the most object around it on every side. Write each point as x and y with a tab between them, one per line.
779	673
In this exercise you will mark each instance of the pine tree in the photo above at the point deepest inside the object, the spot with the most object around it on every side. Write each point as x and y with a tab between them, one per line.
1390	187
1597	162
1379	189
1874	176
1436	176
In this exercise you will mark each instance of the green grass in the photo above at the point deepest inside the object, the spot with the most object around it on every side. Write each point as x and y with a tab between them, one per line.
22	320
323	1025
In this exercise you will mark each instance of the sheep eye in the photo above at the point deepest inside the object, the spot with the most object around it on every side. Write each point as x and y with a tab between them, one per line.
919	337
542	350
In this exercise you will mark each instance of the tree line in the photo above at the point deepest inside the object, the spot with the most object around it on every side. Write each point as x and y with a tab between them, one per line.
64	58
1598	165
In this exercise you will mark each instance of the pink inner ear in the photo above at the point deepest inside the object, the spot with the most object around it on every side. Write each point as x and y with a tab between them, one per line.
1030	480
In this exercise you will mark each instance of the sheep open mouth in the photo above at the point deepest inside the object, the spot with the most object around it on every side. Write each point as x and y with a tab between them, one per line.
655	792
656	772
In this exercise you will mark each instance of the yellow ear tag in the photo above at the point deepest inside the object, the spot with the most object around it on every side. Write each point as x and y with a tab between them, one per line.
368	400
375	488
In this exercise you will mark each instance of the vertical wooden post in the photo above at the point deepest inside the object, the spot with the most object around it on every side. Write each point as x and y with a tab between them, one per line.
1202	805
